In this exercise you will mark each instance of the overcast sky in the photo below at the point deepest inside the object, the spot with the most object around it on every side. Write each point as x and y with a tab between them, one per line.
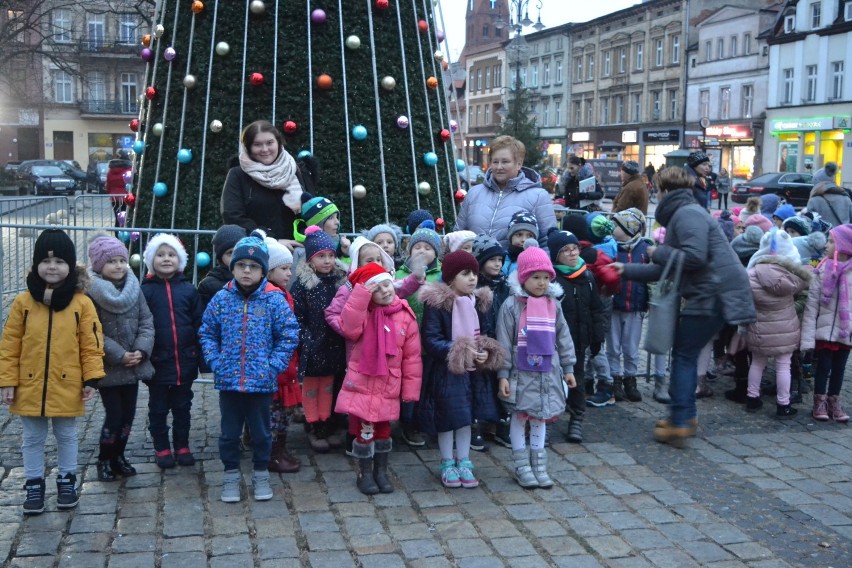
553	13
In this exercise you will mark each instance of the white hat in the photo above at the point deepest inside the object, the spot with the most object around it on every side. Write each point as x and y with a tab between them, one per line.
164	239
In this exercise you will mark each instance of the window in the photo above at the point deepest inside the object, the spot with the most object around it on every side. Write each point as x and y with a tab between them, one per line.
63	87
733	46
534	75
498	76
676	49
720	48
746	44
589	112
487	115
545	114
523	76
622	60
16	20
636	109
127	27
62	26
704	103
607	66
656	104
545	80
558	71
604	110
484	31
639	49
847	11
788	86
579	64
97	86
619	109
472	82
658	53
708	50
129	93
811	86
748	101
488	77
789	24
479	79
672	104
725	103
590	66
837	76
95	30
816	13
557	112
578	113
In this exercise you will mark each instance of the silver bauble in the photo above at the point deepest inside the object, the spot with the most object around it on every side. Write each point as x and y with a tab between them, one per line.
359	192
388	83
190	82
215	126
257	7
222	48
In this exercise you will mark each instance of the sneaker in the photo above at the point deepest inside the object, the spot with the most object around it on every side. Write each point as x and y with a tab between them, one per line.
601	398
785	411
413	437
501	434
66	491
164	459
231	486
34	503
262	489
465	469
185	457
753	404
449	474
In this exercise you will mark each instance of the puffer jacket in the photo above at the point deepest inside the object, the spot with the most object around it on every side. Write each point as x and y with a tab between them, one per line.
832	204
713	276
634	193
215	280
774	282
540	395
372	398
583	309
48	355
821	322
633	296
127	326
487	209
499	287
177	312
248	340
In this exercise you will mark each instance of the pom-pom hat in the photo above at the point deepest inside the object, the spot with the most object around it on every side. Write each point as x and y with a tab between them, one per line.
164	239
103	248
427	236
522	221
316	241
456	263
252	247
416	218
697	158
533	260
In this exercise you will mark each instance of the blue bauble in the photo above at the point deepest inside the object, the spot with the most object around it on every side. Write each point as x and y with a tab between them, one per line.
430	158
124	236
359	132
160	189
304	154
138	147
460	165
202	260
184	155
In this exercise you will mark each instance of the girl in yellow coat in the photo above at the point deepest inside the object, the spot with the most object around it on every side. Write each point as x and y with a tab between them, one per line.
51	352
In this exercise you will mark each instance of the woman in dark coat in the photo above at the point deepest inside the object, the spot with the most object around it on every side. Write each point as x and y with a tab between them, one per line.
714	288
264	191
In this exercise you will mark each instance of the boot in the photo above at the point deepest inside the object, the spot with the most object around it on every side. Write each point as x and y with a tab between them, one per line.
280	461
661	390
365	452
316	437
380	465
66	491
618	388
105	471
538	461
631	390
477	442
523	471
603	396
575	431
164	459
675	436
739	393
34	503
120	465
334	436
589	385
703	389
835	411
820	411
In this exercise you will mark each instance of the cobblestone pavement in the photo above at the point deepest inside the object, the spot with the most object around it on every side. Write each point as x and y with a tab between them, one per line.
750	491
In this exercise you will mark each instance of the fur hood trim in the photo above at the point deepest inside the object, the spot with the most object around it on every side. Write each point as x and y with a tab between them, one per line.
554	290
83	280
309	279
440	296
461	355
802	271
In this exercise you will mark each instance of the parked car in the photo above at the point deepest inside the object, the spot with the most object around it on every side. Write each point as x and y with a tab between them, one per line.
471	176
794	187
11	167
74	172
96	176
47	180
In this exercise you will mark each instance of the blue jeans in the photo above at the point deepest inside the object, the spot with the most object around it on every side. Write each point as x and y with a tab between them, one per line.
693	333
252	408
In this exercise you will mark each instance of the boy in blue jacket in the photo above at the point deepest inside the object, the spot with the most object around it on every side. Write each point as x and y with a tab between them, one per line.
248	335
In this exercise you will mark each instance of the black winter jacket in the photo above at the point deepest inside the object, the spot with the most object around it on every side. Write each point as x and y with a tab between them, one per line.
213	282
700	193
500	289
250	205
323	351
583	310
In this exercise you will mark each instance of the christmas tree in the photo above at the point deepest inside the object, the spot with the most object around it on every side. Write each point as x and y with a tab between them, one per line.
357	84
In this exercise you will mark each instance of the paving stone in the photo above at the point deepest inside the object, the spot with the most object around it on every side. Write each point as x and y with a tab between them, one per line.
587	526
826	515
619	486
705	552
134	543
230	545
184	560
183	544
478	562
670	558
87	542
183	524
584	561
749	551
620	520
132	560
457	529
724	533
644	539
92	523
39	543
677	532
317	522
134	525
609	546
513	546
381	561
232	560
85	560
528	512
561	546
541	529
325	541
413	549
462	547
270	548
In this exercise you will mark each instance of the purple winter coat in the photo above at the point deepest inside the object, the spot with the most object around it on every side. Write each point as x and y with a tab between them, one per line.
774	282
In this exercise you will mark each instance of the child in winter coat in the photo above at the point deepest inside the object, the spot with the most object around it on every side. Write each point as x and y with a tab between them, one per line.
177	311
51	356
322	357
826	325
388	238
288	396
454	391
384	368
522	226
322	213
424	245
629	306
248	337
128	329
583	311
775	275
533	330
224	240
458	240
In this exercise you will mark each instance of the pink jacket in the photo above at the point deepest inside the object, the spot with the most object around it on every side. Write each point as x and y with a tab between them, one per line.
333	313
377	399
775	281
822	323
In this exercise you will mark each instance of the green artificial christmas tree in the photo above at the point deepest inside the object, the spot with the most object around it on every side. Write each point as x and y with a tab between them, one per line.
325	73
520	124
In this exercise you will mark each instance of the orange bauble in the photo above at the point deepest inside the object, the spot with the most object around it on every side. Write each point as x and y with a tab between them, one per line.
432	83
324	82
197	7
146	40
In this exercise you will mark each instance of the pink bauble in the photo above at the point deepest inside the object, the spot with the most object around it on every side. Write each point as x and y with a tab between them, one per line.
318	16
402	121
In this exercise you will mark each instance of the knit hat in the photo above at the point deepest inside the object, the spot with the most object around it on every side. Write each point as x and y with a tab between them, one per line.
776	243
317	209
769	203
559	205
391	230
630	167
416	217
54	243
522	221
252	247
758	220
102	248
697	158
726	223
279	255
355	254
164	239
369	272
576	223
317	241
659	235
784	212
631	221
752	235
533	260
226	237
799	224
842	238
599	226
558	240
485	248
427	236
454	241
457	262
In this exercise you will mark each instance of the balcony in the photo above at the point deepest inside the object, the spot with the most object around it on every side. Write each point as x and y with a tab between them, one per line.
109	107
99	46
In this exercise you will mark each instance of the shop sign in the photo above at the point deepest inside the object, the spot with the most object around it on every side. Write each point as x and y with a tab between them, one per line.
842	122
658	136
817	123
628	137
728	131
580	137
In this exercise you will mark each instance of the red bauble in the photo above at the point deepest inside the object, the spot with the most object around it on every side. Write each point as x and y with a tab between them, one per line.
134	125
324	82
445	135
129	199
460	195
439	223
289	127
424	27
256	79
150	93
382	4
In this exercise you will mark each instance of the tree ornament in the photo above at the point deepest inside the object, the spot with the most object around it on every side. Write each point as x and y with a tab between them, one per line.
318	16
460	195
159	30
127	187
150	93
290	127
190	82
197	7
146	54
216	126
257	7
304	154
134	125
134	236
430	158
454	126
444	65
439	223
222	48
135	260
353	42
402	121
423	188
124	236
127	177
460	165
256	79
359	132
382	4
160	189
202	260
146	40
121	218
130	200
157	129
423	26
388	83
138	147
169	54
324	82
439	55
439	35
184	155
359	192
444	135
432	83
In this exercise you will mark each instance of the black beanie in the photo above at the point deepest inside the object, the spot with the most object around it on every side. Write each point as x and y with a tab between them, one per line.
558	240
576	223
226	237
54	242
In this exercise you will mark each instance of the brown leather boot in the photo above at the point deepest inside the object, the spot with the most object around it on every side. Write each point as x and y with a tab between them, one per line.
675	436
280	460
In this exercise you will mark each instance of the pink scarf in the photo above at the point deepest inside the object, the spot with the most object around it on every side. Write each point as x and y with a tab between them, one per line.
537	334
834	277
465	319
379	339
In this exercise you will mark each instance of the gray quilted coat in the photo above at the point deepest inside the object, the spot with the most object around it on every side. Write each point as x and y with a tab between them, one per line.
127	326
774	283
488	209
821	322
